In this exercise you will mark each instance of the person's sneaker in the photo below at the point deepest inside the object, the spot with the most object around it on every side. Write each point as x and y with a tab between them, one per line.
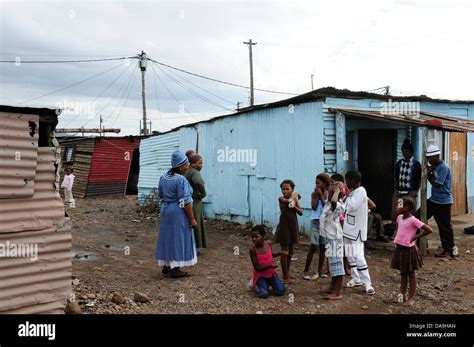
306	277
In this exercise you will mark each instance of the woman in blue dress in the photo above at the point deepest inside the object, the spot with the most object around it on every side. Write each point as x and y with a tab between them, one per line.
176	245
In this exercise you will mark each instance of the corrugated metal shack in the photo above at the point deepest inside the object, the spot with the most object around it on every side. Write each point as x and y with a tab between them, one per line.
102	165
326	130
32	213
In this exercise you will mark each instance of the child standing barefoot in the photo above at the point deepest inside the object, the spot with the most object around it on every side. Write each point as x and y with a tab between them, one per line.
264	269
318	200
331	229
287	230
406	257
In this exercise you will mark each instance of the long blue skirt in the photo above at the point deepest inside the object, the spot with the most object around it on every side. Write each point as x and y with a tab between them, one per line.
176	246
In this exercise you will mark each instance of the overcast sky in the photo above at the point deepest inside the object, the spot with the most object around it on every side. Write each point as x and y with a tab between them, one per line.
415	47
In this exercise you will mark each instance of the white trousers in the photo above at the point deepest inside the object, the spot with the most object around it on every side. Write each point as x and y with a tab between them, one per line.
68	198
354	250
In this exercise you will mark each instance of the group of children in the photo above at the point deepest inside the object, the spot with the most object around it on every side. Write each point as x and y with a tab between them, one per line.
339	229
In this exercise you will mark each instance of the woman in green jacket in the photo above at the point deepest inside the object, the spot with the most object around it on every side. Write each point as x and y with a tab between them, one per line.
199	192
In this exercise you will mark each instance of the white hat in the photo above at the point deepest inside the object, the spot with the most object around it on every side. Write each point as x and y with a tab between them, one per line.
432	150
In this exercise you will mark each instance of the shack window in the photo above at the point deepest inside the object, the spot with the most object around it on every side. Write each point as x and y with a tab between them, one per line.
68	154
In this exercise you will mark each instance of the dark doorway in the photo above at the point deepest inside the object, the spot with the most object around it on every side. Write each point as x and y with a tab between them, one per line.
132	183
375	162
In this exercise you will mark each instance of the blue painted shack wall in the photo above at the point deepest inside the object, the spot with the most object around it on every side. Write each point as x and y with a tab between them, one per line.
295	142
289	145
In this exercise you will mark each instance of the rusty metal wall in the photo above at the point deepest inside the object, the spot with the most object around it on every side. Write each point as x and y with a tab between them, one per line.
83	149
18	154
41	211
40	286
111	165
32	214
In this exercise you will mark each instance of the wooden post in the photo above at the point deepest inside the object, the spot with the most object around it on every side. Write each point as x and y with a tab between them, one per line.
424	187
341	152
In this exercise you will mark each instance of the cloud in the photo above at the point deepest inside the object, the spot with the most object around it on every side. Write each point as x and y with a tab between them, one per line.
416	47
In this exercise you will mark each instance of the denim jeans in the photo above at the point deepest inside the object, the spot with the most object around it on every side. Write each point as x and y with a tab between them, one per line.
274	282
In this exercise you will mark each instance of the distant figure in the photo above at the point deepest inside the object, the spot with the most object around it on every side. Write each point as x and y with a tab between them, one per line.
407	178
68	182
287	230
176	246
265	274
407	257
199	192
439	204
190	152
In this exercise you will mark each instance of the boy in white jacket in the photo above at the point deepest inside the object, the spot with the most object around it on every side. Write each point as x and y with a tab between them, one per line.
355	232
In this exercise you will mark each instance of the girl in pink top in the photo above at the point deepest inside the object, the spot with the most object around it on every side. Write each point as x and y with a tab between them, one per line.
407	257
264	268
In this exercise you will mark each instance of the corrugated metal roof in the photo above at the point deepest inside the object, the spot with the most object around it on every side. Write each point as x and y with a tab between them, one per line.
18	154
322	94
40	211
424	119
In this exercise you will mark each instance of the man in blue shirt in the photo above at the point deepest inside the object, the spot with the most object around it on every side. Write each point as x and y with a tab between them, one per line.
439	204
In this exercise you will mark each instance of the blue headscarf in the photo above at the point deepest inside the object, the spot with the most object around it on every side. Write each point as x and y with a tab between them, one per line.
178	159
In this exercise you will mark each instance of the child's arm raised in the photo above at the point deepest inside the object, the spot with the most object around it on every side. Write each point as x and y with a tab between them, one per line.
316	196
253	258
426	230
298	208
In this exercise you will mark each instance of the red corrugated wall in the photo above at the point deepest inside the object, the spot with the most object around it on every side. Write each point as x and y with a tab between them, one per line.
110	165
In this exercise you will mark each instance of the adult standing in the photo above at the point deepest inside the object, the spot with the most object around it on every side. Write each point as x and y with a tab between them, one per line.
199	192
176	246
439	204
407	178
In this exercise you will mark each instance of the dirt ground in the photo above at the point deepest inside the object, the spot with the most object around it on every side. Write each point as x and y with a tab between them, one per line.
113	253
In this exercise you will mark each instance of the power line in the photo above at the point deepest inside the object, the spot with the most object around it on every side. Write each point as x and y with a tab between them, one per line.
219	81
160	117
102	92
19	61
194	93
173	96
72	85
126	99
199	87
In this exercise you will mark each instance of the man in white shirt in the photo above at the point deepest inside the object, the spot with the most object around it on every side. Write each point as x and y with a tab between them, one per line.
355	232
67	184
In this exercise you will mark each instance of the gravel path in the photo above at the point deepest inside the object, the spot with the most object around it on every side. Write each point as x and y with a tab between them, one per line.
113	268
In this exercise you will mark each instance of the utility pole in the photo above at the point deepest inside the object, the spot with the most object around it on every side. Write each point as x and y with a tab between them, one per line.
143	62
100	124
250	44
238	105
387	90
312	85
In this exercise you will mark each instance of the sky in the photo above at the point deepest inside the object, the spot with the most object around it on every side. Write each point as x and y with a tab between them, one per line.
415	47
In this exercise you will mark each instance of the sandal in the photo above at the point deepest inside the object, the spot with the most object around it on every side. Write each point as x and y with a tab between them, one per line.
352	284
370	290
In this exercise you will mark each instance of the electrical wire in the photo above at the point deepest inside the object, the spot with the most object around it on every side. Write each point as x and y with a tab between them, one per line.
219	81
19	61
74	84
